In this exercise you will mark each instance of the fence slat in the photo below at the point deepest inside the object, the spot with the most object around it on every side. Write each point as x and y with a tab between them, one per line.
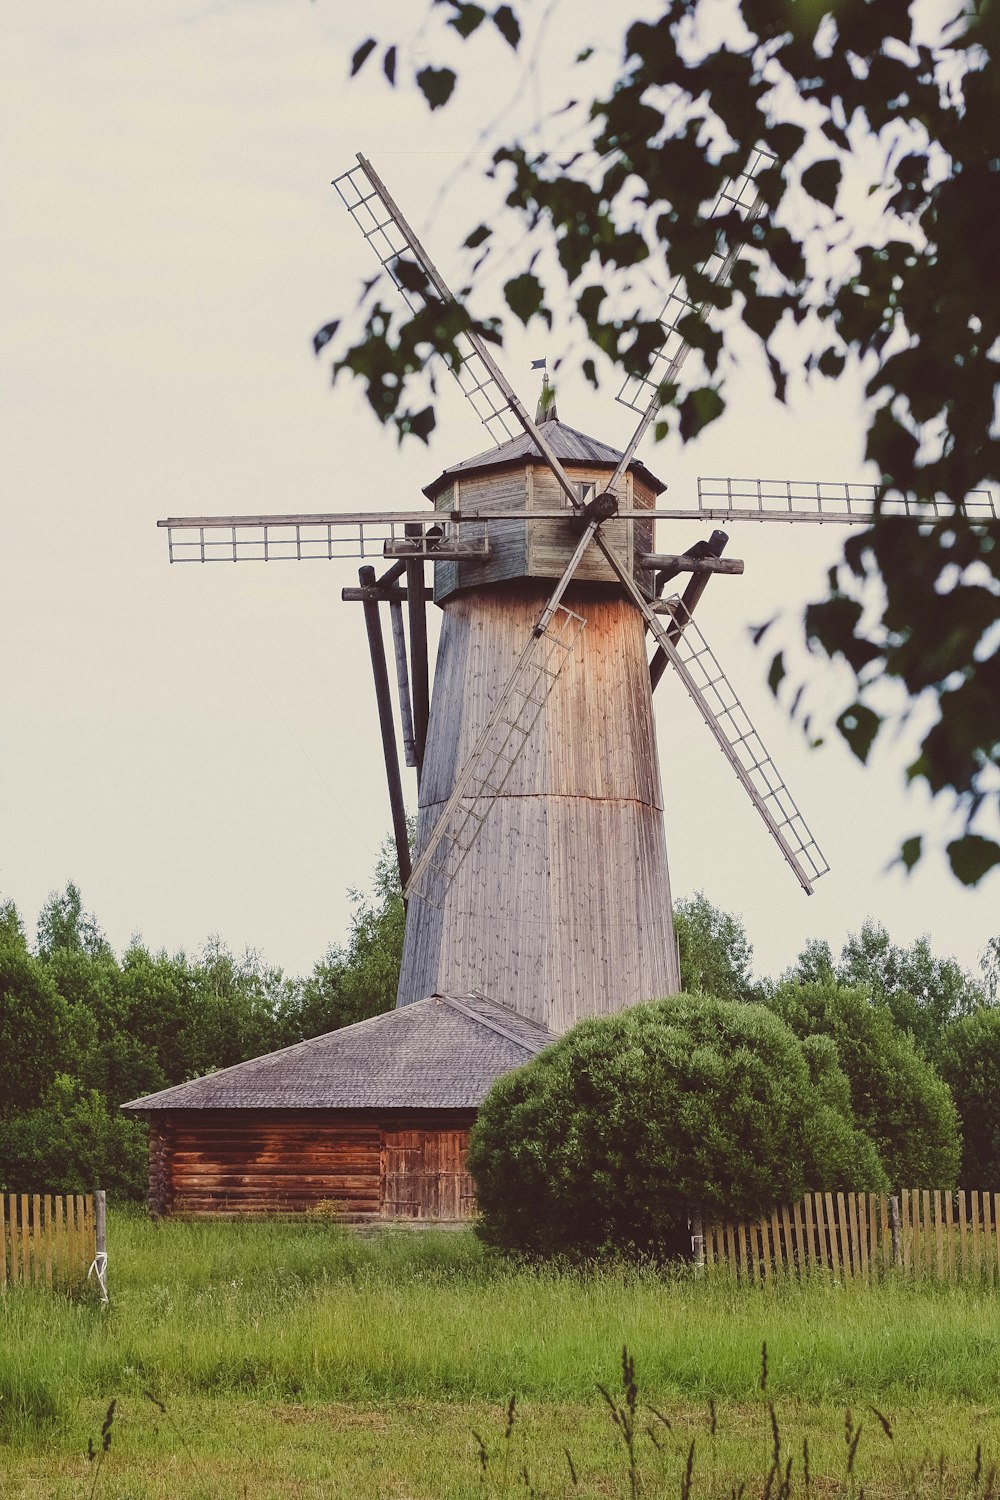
779	1260
996	1226
798	1228
987	1238
938	1233
963	1226
977	1264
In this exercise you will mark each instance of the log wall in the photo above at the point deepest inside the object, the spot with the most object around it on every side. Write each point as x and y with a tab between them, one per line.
353	1165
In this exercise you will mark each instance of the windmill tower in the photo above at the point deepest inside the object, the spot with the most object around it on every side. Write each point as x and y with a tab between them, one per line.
540	876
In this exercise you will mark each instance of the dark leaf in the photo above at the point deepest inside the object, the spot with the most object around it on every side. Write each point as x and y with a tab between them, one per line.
698	409
776	673
422	423
389	64
323	336
508	25
436	85
362	55
467	18
590	372
525	296
476	238
972	857
910	851
859	726
822	180
830	363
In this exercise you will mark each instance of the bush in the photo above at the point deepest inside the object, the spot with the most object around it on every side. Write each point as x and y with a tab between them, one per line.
612	1136
898	1098
969	1060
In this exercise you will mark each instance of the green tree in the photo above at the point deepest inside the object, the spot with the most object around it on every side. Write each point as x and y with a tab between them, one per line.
715	952
969	1060
64	926
611	1137
897	1097
36	1033
921	992
854	100
72	1142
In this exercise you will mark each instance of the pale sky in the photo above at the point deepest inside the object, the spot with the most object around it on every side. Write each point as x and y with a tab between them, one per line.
197	747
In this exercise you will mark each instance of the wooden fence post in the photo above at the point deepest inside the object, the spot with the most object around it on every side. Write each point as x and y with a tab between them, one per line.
100	1266
697	1242
897	1258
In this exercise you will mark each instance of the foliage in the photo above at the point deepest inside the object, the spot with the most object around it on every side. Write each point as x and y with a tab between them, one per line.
715	953
74	1140
969	1061
922	992
898	1099
613	1136
857	103
35	1032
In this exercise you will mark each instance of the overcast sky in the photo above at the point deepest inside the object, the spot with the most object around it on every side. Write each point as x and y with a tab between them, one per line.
197	747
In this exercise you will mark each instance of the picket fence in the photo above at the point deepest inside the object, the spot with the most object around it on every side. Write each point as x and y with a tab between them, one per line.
920	1232
50	1238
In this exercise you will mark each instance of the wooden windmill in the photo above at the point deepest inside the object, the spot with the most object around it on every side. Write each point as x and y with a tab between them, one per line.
540	875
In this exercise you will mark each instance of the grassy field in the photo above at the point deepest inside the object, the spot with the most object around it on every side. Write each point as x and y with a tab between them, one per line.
306	1361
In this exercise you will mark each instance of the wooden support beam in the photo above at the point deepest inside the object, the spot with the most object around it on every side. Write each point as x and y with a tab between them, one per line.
681	562
714	547
419	670
376	646
378	595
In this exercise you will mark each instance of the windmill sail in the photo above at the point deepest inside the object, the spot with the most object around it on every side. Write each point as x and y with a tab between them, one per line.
738	195
825	500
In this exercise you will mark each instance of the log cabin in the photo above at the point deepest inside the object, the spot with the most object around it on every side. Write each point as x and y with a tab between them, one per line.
370	1122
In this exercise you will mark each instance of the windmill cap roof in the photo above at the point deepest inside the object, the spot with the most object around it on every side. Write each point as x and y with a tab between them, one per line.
444	1052
568	445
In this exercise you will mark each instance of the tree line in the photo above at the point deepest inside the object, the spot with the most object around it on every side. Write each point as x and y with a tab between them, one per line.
83	1030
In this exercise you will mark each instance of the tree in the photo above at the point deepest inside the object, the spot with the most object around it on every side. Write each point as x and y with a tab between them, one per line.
921	992
611	1137
715	953
898	1099
36	1034
969	1060
64	926
853	100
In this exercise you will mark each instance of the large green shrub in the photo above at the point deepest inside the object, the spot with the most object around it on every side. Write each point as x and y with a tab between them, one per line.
613	1135
898	1098
969	1060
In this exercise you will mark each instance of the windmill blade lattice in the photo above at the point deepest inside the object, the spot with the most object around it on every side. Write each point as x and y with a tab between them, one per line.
712	693
824	500
738	195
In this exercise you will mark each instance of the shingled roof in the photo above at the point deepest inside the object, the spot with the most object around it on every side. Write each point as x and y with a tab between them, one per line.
441	1053
568	445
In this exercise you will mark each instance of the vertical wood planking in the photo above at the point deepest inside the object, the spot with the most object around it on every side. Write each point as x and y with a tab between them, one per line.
3	1242
863	1226
831	1229
904	1227
741	1236
988	1231
846	1249
963	1226
974	1206
809	1215
950	1233
852	1219
996	1227
786	1225
47	1214
939	1233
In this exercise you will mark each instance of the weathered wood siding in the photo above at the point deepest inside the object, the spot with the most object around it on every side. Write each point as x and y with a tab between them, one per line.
426	1175
562	908
539	549
355	1164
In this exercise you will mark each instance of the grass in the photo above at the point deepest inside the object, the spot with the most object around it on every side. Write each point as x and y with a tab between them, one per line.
304	1360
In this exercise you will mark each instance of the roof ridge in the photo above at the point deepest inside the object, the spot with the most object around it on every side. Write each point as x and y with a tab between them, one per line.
491	1025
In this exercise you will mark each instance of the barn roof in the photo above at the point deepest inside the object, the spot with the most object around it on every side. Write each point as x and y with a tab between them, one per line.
439	1053
568	445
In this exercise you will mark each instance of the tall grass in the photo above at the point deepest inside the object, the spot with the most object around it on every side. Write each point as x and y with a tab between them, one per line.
315	1313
